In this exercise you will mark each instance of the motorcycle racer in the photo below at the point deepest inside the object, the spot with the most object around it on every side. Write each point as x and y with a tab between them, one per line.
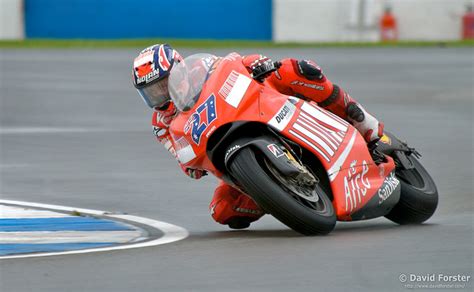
300	78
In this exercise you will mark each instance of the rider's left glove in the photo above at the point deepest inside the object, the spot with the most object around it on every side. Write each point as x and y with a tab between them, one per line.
263	67
194	173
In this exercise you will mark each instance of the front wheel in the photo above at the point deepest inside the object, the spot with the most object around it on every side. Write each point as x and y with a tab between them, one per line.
418	198
308	211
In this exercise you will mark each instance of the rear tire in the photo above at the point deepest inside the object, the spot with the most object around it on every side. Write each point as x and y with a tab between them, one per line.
418	198
308	218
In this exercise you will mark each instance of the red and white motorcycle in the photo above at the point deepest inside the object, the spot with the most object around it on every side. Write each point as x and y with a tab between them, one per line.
302	164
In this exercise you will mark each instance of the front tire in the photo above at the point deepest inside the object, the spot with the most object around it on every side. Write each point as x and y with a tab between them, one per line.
305	217
418	198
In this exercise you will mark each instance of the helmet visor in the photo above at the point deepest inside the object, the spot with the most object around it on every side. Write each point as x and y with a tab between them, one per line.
155	94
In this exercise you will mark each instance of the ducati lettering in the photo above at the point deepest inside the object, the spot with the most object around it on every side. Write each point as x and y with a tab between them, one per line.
201	119
282	114
356	185
389	186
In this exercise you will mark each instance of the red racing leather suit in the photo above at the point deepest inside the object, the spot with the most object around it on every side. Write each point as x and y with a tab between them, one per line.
303	79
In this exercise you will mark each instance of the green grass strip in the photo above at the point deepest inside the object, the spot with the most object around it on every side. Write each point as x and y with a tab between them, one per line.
141	43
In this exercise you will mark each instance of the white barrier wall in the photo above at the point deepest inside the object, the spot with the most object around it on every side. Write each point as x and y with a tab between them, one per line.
11	19
357	20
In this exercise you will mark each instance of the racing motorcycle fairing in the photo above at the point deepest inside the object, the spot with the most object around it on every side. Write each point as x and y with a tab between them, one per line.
230	101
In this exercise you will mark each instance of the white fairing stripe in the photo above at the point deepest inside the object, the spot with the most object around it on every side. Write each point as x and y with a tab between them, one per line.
323	134
336	117
334	170
337	137
328	132
238	90
313	137
309	144
323	117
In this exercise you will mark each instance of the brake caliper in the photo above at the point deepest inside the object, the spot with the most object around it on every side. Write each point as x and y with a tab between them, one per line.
304	177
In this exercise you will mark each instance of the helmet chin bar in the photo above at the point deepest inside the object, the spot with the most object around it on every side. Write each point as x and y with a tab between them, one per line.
165	106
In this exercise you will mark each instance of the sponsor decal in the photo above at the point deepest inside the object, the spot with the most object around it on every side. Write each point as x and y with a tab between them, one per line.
149	76
231	150
211	130
234	88
275	150
388	187
386	140
247	211
313	86
184	150
204	115
356	185
283	116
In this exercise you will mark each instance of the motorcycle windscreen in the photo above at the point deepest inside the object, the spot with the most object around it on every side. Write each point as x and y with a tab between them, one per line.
187	79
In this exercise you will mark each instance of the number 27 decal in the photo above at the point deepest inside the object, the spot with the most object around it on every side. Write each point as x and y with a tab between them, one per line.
201	119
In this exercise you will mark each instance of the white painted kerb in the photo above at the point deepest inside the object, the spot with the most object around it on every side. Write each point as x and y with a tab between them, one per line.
171	232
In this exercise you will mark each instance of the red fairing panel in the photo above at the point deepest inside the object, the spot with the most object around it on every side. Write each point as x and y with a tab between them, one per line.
354	178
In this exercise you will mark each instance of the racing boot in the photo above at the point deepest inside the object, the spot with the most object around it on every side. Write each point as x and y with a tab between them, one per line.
231	207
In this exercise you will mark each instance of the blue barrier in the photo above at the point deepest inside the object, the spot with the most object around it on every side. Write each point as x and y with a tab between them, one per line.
182	19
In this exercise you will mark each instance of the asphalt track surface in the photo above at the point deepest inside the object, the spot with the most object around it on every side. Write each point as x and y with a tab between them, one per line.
74	132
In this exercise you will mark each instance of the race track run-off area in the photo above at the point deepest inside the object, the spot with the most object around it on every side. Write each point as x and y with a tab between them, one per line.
74	132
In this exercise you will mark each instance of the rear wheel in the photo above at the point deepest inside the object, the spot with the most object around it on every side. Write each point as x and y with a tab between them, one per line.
305	209
418	198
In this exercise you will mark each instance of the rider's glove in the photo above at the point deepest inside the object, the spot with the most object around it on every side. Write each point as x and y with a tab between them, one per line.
194	173
263	67
165	115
